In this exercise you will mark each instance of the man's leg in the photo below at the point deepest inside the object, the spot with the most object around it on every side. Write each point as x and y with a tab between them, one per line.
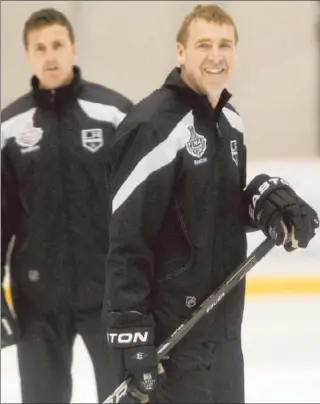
227	372
187	372
45	356
185	386
89	326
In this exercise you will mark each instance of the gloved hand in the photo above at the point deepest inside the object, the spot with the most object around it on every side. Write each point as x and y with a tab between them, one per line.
9	330
136	342
132	395
280	213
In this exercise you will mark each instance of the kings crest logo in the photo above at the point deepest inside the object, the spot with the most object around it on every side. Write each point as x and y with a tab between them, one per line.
234	151
92	139
197	144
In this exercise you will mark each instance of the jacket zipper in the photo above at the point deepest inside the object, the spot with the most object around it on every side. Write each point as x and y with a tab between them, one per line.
218	129
69	267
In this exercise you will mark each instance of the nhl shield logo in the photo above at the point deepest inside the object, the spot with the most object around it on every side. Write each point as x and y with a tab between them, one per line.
197	144
191	301
92	139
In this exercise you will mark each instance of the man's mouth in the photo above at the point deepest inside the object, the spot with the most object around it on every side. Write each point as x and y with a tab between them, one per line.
52	69
214	70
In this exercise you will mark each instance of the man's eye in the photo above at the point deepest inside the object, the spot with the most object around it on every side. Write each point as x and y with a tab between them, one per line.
57	45
205	46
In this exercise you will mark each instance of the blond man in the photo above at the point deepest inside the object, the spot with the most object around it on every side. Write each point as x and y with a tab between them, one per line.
180	212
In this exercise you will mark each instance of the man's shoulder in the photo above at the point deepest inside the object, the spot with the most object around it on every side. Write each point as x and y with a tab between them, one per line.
19	106
232	108
159	110
233	116
100	94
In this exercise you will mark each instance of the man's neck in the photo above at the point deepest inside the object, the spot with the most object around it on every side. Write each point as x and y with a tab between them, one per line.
63	84
213	98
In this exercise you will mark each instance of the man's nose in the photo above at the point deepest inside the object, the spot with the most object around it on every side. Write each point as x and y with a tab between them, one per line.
215	54
50	55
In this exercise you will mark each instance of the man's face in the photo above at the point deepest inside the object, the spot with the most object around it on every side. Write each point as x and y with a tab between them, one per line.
51	55
208	57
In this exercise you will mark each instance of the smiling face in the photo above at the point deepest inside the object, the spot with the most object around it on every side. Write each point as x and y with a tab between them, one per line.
207	57
51	54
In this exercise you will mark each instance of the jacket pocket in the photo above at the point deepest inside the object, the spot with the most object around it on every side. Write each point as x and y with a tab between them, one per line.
174	250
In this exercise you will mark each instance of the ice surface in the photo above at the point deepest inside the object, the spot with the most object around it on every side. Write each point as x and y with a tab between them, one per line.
281	337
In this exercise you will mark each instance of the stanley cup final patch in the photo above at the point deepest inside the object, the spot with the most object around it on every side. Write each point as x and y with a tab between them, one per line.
197	144
29	138
92	139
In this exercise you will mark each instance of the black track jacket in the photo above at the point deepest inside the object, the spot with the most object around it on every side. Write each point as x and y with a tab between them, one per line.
55	151
178	224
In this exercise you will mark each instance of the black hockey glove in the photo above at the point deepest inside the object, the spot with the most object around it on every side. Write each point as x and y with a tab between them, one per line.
132	335
280	213
9	330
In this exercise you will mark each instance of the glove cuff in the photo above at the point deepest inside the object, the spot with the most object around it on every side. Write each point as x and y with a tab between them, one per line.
140	357
130	337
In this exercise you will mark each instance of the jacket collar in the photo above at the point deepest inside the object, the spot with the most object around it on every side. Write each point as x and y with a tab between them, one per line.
60	96
175	82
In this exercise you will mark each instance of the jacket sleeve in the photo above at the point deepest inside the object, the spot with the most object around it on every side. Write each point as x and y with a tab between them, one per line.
10	207
141	183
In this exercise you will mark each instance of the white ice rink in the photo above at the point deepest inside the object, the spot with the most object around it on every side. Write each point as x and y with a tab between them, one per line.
281	338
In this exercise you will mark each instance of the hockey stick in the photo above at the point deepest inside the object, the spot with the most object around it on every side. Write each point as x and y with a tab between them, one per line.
207	305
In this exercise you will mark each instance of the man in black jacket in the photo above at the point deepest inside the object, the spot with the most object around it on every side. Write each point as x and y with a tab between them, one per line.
55	149
180	212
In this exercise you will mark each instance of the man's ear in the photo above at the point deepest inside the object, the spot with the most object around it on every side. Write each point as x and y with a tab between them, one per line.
180	54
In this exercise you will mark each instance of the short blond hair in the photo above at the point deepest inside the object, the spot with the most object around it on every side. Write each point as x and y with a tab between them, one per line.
210	13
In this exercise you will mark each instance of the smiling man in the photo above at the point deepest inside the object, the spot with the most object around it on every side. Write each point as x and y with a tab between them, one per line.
207	54
180	211
56	143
